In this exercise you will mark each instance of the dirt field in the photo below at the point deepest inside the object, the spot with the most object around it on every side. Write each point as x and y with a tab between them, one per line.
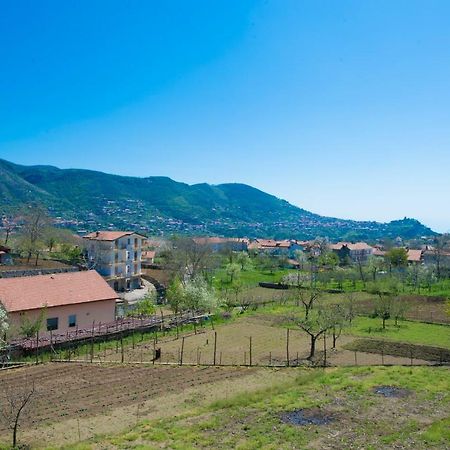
107	399
233	347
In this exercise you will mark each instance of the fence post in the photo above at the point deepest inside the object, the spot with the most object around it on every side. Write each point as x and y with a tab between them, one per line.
287	347
250	352
270	358
356	360
324	350
121	347
37	347
182	351
215	346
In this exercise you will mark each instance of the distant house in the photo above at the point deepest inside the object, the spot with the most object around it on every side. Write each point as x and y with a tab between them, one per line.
116	255
218	244
148	256
5	255
284	247
414	256
69	301
356	252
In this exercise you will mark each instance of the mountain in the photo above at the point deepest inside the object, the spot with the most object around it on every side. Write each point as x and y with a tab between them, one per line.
88	200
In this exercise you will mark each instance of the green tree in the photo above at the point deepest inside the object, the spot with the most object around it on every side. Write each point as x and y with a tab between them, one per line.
397	257
4	326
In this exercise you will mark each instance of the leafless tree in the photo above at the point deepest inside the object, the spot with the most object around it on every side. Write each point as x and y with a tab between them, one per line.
16	400
308	298
8	226
316	325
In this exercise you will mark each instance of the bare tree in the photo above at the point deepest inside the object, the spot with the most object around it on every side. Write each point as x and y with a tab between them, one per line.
316	325
16	400
441	244
35	223
308	297
8	226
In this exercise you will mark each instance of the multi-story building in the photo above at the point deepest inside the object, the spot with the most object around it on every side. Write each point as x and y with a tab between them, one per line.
116	255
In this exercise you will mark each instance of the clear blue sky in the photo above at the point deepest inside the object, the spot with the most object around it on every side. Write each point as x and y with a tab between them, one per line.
340	107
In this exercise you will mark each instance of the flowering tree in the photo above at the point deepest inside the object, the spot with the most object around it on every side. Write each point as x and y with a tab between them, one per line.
4	325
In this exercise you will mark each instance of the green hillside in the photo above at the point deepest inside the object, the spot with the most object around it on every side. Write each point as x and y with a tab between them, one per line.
159	204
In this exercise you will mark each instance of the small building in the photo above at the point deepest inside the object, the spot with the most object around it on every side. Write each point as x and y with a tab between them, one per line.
356	252
65	301
5	256
414	256
117	257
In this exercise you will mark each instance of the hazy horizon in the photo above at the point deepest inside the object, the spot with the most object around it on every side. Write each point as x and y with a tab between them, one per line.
339	108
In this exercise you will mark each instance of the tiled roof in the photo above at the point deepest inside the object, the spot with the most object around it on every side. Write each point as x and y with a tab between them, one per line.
34	292
414	255
108	235
351	246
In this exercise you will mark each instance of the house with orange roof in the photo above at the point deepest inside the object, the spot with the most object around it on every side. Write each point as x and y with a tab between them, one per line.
117	257
64	301
356	252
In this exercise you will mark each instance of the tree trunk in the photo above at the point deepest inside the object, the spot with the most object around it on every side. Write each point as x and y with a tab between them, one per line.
312	350
384	322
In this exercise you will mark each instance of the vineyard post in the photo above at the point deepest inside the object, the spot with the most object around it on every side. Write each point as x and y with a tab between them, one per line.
121	347
215	346
182	351
250	352
324	350
37	347
162	322
270	358
356	360
382	354
132	340
212	323
411	355
287	347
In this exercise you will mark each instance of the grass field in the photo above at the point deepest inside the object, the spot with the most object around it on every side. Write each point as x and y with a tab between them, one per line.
358	417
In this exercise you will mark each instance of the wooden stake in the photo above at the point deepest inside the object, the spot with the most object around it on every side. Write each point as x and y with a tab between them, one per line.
182	351
287	347
215	346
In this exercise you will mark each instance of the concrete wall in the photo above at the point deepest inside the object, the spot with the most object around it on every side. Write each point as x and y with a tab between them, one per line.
102	311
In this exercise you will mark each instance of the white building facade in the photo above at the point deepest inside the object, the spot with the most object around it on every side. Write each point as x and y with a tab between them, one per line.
117	256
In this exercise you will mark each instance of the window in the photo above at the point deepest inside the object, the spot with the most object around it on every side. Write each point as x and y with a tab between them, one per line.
129	241
128	254
72	320
135	242
52	324
135	256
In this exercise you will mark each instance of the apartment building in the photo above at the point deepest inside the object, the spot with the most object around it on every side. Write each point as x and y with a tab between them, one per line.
117	256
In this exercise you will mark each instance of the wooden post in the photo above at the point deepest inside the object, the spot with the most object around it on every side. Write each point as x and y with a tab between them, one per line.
121	347
182	351
270	358
132	340
212	322
220	359
287	347
356	360
195	327
411	355
324	349
37	347
215	346
198	356
250	352
382	355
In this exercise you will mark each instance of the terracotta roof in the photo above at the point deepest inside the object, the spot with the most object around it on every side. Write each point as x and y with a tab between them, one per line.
34	292
414	255
148	254
351	246
109	235
378	252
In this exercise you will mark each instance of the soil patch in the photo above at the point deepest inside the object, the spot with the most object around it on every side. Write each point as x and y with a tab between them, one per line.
424	352
303	417
391	391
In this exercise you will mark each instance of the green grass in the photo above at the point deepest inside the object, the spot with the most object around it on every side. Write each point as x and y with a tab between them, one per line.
406	331
365	420
251	277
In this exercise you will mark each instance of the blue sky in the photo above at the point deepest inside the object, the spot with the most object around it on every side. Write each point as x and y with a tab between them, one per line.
340	107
